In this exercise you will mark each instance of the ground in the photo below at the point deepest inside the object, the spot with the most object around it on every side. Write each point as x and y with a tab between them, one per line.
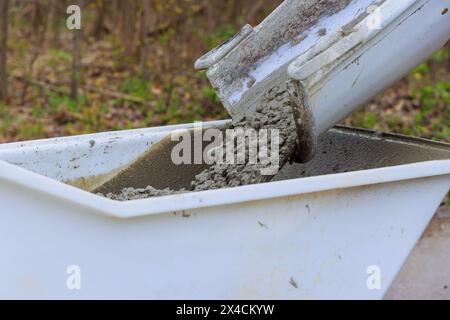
426	273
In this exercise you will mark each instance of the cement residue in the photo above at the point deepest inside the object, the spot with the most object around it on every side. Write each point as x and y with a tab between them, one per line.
142	193
274	113
289	25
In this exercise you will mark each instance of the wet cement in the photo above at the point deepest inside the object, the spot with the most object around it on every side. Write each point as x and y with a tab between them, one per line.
340	150
154	168
274	113
266	106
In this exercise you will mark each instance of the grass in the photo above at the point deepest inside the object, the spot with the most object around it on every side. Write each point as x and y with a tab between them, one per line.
417	105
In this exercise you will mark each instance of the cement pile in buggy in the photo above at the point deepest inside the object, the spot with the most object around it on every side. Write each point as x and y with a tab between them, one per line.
275	112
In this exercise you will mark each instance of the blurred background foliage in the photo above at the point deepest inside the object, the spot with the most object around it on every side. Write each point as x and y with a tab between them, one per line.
136	70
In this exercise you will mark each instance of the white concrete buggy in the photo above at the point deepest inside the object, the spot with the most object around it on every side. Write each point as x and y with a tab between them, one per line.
355	203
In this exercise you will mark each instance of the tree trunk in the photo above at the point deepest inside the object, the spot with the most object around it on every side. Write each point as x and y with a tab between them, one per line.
76	59
55	15
144	40
75	65
99	18
127	26
4	6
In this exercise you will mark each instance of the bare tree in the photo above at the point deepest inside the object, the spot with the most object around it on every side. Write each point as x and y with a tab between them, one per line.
4	7
76	59
76	65
144	39
99	18
127	24
55	17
